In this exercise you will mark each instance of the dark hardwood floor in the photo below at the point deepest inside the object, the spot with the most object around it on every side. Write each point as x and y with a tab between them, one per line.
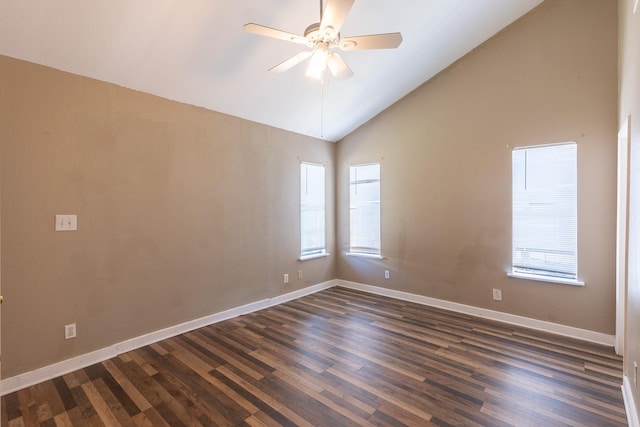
339	358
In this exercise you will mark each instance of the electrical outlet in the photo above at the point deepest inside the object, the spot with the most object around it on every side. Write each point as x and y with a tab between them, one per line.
69	331
386	274
299	274
286	277
497	294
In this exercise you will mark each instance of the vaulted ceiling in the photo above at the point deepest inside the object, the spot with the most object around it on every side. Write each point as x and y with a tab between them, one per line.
196	51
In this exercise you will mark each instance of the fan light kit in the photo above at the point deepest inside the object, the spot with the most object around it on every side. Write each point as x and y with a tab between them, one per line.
324	36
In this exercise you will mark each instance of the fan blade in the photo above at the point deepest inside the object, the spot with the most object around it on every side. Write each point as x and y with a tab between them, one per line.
374	41
289	63
338	67
335	12
261	30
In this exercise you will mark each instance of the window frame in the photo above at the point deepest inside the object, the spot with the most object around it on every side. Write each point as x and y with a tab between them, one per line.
544	275
321	251
372	252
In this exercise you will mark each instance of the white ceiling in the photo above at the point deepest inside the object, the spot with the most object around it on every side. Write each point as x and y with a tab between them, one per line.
196	52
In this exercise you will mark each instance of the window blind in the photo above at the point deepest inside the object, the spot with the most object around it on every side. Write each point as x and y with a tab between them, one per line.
545	211
312	209
364	204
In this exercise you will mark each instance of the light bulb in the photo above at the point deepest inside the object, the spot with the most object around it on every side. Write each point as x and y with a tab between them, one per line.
318	61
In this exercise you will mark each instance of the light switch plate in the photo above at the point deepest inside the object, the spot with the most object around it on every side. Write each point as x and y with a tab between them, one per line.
66	222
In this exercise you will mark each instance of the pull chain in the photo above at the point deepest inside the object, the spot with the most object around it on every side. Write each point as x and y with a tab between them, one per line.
322	105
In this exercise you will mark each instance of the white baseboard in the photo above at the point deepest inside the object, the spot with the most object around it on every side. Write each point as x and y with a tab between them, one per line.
630	407
28	379
555	328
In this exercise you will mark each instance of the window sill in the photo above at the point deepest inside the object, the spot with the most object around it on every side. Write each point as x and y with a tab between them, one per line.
314	256
548	279
365	255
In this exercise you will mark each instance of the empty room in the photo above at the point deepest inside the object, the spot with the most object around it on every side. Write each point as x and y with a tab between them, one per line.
320	213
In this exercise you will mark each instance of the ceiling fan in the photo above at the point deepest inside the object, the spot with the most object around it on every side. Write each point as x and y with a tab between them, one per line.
324	36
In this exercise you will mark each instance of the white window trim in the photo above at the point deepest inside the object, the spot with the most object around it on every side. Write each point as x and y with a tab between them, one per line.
368	254
365	255
549	279
540	277
323	252
314	256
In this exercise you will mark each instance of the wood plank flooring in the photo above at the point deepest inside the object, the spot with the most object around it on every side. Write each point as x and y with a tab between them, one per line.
339	358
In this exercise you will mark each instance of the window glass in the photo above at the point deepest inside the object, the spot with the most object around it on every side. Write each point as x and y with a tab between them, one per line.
312	209
545	211
365	209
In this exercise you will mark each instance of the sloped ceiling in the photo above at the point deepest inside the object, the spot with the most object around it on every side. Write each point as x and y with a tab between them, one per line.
196	52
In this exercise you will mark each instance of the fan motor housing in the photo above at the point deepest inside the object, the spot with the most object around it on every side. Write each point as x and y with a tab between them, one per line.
327	35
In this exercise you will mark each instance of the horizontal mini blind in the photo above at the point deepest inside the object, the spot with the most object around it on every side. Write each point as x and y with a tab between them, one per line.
545	224
312	209
364	203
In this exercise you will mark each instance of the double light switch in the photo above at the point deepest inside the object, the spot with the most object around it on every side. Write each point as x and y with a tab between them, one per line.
66	222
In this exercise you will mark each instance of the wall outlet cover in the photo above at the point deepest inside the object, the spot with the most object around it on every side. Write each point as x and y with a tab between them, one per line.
69	331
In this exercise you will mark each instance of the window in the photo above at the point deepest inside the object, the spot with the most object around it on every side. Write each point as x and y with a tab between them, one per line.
545	225
365	210
312	215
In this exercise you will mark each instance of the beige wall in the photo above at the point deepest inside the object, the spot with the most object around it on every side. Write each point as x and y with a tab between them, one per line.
630	106
182	213
445	153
